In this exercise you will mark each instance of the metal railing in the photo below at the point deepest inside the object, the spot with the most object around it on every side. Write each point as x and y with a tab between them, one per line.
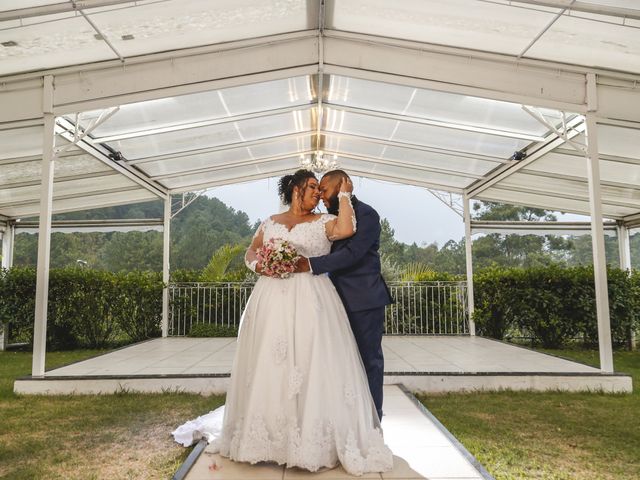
420	308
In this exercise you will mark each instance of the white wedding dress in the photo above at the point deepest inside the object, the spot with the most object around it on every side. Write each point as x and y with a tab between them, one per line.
299	394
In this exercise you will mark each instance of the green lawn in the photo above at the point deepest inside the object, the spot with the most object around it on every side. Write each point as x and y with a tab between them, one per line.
524	435
89	437
515	435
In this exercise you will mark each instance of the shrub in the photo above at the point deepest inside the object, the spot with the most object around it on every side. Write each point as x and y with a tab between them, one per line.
553	305
86	307
212	330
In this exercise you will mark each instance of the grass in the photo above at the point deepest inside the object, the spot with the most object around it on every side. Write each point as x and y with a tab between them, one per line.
122	436
515	435
550	435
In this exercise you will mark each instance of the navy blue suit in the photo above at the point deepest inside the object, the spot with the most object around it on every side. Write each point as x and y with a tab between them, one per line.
354	268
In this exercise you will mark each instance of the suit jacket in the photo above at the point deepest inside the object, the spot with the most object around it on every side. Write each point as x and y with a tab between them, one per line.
354	263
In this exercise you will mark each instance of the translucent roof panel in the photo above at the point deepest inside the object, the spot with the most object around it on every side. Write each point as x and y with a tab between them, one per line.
438	106
619	141
420	134
465	165
64	188
16	4
66	166
460	23
198	107
561	193
49	41
54	41
174	24
213	135
509	28
411	175
61	205
590	41
555	203
228	156
570	188
234	174
614	3
21	142
570	164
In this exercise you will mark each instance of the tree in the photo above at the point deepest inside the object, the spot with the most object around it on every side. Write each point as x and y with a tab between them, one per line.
197	232
390	248
514	250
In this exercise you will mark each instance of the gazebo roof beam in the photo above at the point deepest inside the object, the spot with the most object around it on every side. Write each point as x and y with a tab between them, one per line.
576	126
65	129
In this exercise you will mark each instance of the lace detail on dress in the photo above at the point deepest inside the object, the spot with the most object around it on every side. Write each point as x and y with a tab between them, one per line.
252	263
295	382
280	350
349	396
318	446
353	215
309	238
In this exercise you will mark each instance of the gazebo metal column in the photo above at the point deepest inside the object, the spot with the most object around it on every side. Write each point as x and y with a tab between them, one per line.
44	232
597	230
624	248
8	238
166	245
469	258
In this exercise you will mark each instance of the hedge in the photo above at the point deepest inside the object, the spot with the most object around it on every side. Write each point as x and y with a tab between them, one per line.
86	308
553	305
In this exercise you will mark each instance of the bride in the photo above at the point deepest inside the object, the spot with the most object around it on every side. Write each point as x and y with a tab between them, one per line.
299	394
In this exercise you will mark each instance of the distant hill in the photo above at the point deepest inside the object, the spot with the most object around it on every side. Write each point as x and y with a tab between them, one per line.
196	232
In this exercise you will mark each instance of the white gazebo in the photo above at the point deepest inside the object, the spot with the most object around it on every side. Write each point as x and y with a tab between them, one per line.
529	102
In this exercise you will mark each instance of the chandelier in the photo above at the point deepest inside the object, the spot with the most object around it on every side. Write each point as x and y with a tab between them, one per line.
318	163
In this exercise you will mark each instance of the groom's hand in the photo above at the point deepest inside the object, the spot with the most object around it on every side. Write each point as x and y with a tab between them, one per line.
303	265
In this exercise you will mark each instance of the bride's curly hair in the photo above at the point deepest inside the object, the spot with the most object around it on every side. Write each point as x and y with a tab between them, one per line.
298	179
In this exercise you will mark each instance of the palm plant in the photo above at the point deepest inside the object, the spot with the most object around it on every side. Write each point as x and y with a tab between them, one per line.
225	265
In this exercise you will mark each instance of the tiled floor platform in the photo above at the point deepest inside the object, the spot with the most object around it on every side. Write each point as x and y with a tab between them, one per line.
422	364
422	448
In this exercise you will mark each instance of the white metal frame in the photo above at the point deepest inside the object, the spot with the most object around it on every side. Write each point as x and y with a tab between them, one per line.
44	234
468	249
600	95
597	232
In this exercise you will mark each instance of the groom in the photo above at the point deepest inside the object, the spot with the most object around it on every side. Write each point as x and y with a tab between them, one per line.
354	268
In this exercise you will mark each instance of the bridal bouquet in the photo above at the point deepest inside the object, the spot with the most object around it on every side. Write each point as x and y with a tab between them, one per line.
278	258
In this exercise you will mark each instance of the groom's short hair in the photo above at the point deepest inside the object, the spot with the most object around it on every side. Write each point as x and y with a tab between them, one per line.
332	174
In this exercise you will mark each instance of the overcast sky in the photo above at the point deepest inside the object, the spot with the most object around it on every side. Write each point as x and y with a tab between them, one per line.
414	213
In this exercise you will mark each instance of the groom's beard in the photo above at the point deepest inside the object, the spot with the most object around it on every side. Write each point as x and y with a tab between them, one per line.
334	205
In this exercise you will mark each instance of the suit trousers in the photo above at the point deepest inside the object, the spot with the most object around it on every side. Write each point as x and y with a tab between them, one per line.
368	326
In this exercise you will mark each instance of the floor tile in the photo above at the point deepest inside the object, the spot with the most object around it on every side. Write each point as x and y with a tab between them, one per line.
337	473
226	469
